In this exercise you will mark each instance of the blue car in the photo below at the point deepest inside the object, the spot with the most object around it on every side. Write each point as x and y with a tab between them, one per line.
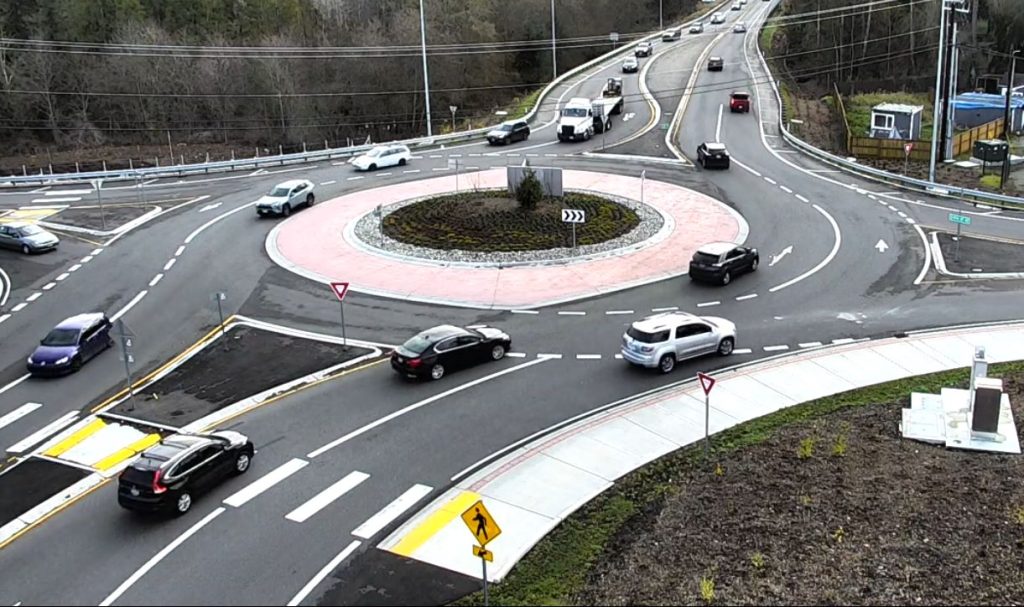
71	343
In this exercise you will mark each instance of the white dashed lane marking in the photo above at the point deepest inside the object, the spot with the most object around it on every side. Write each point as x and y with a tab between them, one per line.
180	250
708	303
771	181
62	276
328	182
785	189
588	357
802	198
617	312
746	297
49	286
155	280
75	267
742	351
167	266
19	307
845	340
412	171
571	313
549	356
810	344
524	311
668	309
33	296
353	178
516	354
87	259
775	348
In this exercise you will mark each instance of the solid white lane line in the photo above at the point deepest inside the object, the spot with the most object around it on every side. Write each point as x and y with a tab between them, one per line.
331	182
68	199
749	170
549	356
87	259
708	303
319	577
180	250
802	198
326	497
771	181
614	312
39	436
62	276
266	481
668	309
785	189
14	383
383	420
49	286
775	348
844	340
96	252
588	357
746	297
824	262
19	307
155	280
75	267
403	502
810	344
167	266
571	313
516	354
718	129
129	305
224	215
524	311
34	296
18	413
4	317
153	562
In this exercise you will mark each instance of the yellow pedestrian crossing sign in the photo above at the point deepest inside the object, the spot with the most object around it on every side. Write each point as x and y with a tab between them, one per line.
481	524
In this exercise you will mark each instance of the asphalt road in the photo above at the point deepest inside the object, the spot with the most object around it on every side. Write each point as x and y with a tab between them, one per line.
824	277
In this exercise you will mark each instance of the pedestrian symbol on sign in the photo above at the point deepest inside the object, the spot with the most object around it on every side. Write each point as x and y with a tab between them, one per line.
480	523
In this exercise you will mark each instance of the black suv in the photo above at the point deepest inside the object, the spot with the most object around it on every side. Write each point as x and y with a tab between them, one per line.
711	155
508	132
716	64
720	261
166	477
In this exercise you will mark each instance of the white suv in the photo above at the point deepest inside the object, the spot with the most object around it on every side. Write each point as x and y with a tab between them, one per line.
382	156
661	340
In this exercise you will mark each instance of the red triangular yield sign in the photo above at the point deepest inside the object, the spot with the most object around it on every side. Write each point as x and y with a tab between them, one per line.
706	382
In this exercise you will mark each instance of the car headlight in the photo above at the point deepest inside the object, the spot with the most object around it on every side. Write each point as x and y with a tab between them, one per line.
62	360
29	359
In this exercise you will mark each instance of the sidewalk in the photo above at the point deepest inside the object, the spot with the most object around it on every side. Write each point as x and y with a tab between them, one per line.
536	486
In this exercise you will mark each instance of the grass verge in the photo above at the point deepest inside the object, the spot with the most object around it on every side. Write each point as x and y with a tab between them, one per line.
858	110
557	568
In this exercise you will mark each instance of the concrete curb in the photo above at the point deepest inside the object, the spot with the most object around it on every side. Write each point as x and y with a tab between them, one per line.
940	265
126	227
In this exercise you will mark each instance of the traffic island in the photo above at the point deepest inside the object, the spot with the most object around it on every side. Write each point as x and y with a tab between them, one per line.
245	364
93	218
977	256
32	481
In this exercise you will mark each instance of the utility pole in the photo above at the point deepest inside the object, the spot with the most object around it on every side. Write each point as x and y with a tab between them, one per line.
1008	117
937	111
947	62
661	15
426	77
554	52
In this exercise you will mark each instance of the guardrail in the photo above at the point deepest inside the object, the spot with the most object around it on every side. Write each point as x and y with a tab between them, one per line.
928	187
258	162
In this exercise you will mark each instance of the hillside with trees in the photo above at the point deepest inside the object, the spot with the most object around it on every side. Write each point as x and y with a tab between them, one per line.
91	74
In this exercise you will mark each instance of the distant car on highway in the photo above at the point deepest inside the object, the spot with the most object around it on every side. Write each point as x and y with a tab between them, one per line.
644	49
630	65
286	197
739	101
718	18
434	352
721	261
167	477
382	156
27	238
736	6
697	28
671	35
716	64
508	132
712	155
70	344
662	340
739	28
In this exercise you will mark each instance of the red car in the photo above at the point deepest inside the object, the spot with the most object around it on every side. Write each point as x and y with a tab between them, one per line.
739	102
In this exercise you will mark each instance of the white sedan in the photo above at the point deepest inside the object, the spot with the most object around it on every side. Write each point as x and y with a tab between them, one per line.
382	156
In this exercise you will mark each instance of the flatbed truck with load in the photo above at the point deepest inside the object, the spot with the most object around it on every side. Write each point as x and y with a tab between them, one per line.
581	117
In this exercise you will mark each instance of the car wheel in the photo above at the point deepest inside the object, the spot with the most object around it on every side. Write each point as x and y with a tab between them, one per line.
26	249
726	165
287	210
310	200
110	341
725	346
753	264
588	135
372	167
726	278
498	352
667	363
183	504
437	372
242	462
401	162
76	363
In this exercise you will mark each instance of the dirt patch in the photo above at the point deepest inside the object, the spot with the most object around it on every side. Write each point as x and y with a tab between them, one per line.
30	482
91	217
862	516
821	126
981	254
488	221
245	362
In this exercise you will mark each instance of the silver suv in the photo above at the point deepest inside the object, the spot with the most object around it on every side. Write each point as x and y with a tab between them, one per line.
286	197
661	340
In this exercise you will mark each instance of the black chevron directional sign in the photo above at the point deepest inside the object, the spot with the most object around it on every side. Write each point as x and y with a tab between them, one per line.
573	216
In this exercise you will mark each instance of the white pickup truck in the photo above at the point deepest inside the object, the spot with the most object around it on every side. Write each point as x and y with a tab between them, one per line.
581	117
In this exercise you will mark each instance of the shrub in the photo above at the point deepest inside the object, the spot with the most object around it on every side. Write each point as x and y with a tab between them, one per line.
992	182
757	560
707	589
530	191
806	448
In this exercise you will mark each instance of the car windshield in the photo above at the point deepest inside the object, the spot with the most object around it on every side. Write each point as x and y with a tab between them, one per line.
647	338
417	344
279	192
61	337
505	127
699	257
375	152
575	112
31	230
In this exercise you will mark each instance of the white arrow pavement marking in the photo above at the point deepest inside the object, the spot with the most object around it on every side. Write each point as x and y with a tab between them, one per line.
209	207
628	116
777	258
881	246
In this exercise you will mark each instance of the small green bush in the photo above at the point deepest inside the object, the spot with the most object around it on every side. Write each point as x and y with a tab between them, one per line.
530	191
707	589
806	448
992	182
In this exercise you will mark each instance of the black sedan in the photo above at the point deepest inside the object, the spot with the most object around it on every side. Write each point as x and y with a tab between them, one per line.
711	155
434	352
720	261
166	477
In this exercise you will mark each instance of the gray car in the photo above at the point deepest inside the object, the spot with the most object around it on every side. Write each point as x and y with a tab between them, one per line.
286	197
27	238
661	340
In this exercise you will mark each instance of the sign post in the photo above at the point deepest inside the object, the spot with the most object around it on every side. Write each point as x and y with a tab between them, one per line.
379	212
959	220
127	337
643	178
340	289
573	216
907	148
219	297
453	109
98	184
454	164
481	524
706	383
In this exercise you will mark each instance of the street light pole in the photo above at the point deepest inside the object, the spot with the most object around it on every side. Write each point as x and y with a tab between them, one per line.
937	111
661	15
1008	117
554	52
426	77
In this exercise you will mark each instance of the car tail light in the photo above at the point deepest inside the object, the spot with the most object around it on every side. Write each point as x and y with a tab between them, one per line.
414	362
158	486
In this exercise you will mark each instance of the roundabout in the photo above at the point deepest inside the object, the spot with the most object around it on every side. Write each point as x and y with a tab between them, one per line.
333	240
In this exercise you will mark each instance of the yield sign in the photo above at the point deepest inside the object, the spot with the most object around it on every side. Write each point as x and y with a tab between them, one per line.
706	382
907	148
339	288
